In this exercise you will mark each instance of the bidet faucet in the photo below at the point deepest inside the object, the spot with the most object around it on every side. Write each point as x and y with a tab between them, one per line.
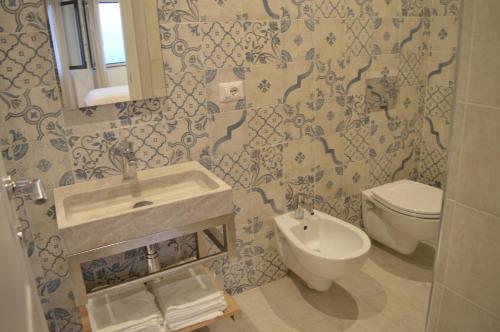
129	161
299	210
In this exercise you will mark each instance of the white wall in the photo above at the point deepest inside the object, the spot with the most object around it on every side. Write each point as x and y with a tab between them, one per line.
466	292
117	75
83	82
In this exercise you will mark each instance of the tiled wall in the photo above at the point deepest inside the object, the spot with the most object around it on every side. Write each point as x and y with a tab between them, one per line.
438	98
308	123
466	294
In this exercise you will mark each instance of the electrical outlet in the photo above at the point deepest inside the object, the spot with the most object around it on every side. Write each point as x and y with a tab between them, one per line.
231	91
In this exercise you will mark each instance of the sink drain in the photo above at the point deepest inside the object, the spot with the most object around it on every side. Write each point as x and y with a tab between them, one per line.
141	204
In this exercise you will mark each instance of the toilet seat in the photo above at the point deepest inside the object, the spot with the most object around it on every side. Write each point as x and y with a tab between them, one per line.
410	198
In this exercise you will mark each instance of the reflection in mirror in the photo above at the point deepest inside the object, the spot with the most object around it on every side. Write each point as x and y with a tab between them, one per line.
107	51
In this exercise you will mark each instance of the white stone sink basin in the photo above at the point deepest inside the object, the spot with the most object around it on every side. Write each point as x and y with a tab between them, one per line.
94	214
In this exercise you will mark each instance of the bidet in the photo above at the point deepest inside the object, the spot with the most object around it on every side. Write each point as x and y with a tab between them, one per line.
320	248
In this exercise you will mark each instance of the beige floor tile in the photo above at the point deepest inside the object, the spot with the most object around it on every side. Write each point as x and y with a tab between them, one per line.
389	294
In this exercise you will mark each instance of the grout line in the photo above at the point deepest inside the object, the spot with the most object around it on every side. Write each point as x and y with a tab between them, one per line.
484	213
490	107
469	301
471	46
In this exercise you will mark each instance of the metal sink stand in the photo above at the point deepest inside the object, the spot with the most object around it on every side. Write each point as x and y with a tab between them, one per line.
225	241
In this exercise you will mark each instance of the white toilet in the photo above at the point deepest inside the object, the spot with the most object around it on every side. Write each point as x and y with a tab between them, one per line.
402	213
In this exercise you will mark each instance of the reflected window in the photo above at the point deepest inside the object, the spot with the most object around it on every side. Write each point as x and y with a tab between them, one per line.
73	34
112	33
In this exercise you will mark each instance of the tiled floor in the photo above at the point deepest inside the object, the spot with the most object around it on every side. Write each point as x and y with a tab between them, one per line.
389	294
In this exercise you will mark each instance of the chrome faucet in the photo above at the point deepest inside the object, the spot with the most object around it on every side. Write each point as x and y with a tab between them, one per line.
129	161
35	188
299	210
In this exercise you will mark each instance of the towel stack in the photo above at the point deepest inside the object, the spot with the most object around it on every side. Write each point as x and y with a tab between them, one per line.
188	300
127	310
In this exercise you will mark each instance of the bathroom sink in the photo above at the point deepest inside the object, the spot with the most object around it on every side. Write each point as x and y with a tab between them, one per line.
94	214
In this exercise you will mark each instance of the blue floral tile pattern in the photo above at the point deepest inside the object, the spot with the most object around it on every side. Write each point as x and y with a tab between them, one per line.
306	124
22	16
181	47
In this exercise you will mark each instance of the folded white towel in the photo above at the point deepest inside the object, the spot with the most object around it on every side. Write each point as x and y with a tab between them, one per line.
205	301
185	293
178	315
195	320
124	310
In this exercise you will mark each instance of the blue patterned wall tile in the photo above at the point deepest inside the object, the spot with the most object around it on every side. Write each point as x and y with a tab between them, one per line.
386	35
414	34
329	39
443	33
39	159
298	184
328	119
237	274
441	68
432	164
262	42
445	8
298	121
268	164
439	103
328	185
230	132
264	85
178	11
297	42
299	157
357	144
140	111
181	47
94	155
330	8
150	144
26	61
22	16
268	267
265	126
386	8
356	72
35	114
222	44
213	77
189	139
412	7
360	8
299	84
186	95
303	9
411	69
359	36
261	10
380	170
236	169
330	78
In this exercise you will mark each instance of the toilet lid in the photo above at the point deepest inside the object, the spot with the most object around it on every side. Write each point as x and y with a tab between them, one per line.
412	197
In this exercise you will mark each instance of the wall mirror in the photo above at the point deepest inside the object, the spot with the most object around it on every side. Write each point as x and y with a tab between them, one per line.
107	51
